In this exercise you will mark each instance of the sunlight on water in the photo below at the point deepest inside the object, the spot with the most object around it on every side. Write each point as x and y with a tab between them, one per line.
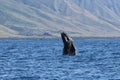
97	59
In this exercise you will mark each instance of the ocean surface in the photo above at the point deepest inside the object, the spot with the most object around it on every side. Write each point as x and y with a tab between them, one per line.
96	59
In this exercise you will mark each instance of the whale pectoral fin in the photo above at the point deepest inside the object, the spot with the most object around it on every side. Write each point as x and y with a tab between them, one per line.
72	49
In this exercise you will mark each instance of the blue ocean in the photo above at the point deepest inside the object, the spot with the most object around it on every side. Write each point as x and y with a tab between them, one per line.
42	59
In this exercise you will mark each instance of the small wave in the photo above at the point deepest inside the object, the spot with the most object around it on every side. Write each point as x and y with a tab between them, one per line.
25	78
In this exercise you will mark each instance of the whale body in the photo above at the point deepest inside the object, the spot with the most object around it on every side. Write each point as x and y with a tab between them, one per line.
69	48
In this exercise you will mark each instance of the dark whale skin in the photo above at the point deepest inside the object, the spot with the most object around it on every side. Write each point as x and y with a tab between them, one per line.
69	48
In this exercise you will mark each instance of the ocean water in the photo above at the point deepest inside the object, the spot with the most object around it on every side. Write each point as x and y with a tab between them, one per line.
96	59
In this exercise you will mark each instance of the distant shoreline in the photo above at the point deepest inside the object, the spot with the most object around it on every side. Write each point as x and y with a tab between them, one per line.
40	38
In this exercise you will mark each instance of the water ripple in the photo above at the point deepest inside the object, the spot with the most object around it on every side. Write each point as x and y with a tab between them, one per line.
96	59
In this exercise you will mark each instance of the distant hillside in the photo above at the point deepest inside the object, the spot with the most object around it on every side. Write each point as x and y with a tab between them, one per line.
47	18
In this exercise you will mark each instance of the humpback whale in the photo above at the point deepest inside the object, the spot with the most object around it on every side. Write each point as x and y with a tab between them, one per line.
69	48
